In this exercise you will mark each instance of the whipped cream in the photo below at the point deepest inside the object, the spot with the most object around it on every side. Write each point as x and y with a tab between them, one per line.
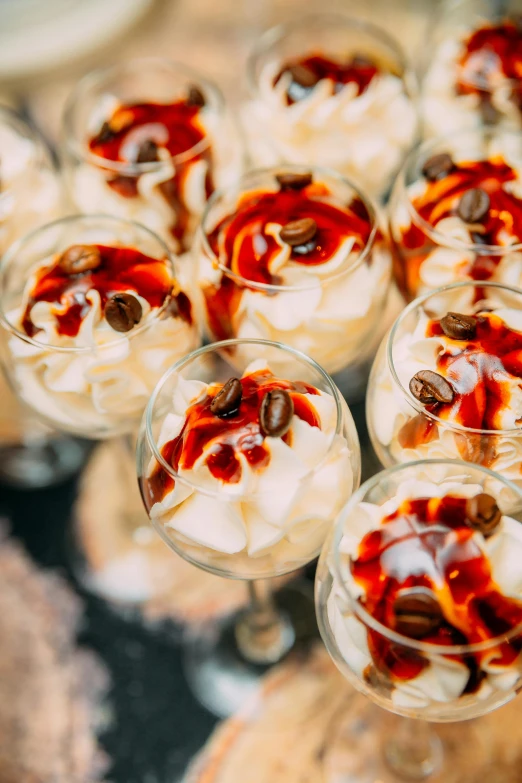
327	309
364	136
488	396
439	690
96	382
274	516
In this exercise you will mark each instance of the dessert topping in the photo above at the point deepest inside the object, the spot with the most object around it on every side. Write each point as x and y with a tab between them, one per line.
474	206
438	166
228	399
80	258
417	612
147	152
123	311
294	181
483	514
459	326
195	97
429	388
276	413
299	232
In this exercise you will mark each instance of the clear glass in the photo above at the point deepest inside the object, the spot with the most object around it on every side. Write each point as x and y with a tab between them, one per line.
427	257
95	388
401	428
459	94
411	750
363	136
303	509
169	195
331	317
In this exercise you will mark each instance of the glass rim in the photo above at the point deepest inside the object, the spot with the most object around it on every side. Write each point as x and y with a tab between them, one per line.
251	175
217	348
420	154
96	78
341	571
277	33
410	308
12	252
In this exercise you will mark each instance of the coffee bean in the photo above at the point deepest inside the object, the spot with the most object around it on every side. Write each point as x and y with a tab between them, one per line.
80	258
293	181
195	97
123	312
299	232
490	115
276	413
459	326
303	76
438	166
473	206
228	399
417	613
362	61
483	514
429	387
147	152
105	134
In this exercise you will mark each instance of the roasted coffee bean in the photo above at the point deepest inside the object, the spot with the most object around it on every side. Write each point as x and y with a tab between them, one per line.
438	166
123	312
195	97
417	613
276	413
294	181
303	76
473	206
80	258
490	115
147	152
299	232
483	514
362	61
105	134
459	326
429	387
228	399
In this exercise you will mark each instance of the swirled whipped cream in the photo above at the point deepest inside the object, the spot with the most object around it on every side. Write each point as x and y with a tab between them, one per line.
475	78
320	290
483	372
437	563
462	220
169	156
258	486
353	115
104	322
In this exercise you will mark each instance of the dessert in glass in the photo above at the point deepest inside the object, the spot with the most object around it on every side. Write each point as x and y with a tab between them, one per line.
149	140
456	212
475	72
331	91
242	473
447	380
296	255
419	601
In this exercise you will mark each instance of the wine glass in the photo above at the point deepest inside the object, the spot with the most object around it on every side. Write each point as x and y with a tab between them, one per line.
239	502
405	591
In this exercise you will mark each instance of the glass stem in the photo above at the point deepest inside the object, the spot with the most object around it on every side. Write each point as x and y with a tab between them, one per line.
414	750
264	634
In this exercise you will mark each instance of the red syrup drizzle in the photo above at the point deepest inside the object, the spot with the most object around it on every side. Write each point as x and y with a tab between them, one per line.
121	269
426	543
440	200
184	131
358	70
228	436
491	51
480	372
242	243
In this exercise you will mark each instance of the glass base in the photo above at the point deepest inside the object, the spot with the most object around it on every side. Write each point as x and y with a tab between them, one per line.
42	463
215	667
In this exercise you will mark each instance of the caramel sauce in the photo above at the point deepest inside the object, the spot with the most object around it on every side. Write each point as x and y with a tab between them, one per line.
357	70
121	269
440	200
426	543
242	242
490	51
222	439
180	128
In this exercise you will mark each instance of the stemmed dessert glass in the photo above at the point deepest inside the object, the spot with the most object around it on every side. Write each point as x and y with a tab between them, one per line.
363	130
401	428
163	190
408	676
95	384
426	256
222	526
